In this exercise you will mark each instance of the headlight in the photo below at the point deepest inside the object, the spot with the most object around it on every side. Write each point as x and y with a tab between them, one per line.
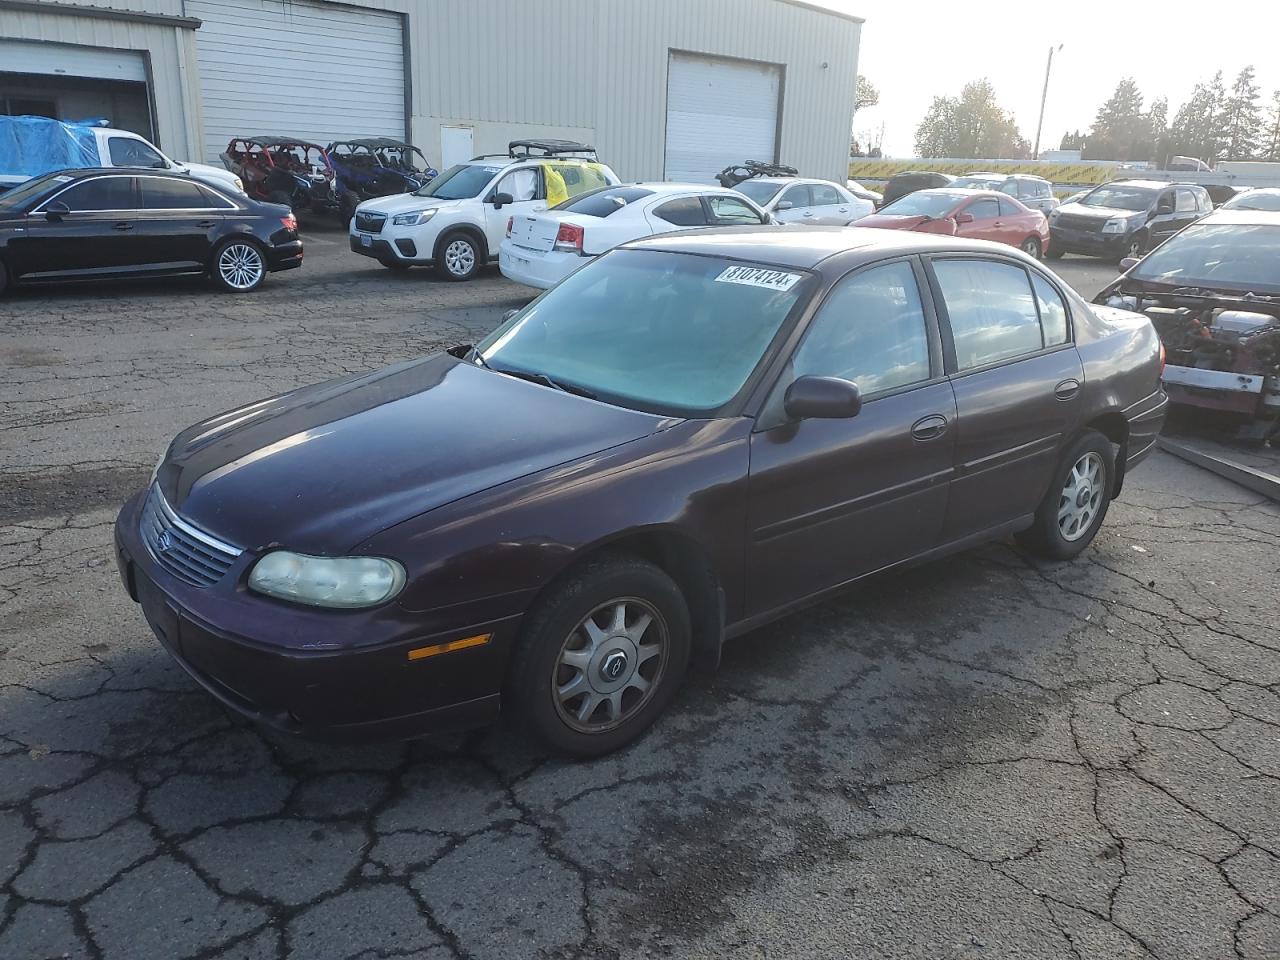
1116	226
345	582
414	218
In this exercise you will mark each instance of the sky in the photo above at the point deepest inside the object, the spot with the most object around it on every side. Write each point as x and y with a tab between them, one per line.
916	50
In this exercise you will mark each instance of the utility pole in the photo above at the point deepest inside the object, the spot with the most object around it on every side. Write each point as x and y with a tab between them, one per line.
1044	95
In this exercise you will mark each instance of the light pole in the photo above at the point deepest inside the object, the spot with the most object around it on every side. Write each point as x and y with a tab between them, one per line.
1044	95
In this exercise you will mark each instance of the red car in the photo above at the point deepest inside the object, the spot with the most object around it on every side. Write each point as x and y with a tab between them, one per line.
977	214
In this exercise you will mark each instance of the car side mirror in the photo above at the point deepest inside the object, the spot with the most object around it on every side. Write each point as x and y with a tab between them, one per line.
500	200
56	210
963	218
784	205
1128	263
822	398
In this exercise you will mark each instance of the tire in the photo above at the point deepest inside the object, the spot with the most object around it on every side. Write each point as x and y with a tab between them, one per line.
458	256
1136	247
1076	503
392	264
1053	254
238	265
1031	247
4	278
558	652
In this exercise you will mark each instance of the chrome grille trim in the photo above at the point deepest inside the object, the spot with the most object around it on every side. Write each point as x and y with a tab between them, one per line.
193	556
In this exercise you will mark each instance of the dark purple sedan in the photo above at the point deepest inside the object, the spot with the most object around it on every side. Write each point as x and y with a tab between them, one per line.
685	439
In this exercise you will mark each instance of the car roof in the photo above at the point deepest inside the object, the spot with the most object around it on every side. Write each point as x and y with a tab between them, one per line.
1242	218
1146	184
805	247
81	173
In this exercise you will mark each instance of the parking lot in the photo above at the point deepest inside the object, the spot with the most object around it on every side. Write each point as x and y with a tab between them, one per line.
983	757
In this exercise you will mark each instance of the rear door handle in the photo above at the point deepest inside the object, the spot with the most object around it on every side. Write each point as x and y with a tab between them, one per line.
930	427
206	224
123	225
1066	389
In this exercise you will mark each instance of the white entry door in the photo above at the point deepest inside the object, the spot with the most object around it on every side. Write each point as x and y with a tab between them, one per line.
455	146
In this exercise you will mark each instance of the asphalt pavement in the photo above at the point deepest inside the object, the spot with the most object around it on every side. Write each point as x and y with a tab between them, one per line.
984	757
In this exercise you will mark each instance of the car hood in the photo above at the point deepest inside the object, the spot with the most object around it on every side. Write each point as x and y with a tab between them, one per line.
1098	213
890	222
405	202
204	171
324	468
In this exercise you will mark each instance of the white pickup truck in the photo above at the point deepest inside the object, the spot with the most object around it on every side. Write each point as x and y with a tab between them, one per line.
21	156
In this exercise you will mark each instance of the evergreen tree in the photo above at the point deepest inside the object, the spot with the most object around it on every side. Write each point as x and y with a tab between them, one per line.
1158	131
1121	130
1271	132
1197	128
1242	117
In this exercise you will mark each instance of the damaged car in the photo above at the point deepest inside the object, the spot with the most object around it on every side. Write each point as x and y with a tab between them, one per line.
376	167
284	170
1213	294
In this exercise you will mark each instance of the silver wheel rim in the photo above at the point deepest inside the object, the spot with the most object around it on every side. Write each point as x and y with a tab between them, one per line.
1135	248
610	665
240	266
1031	247
459	258
1081	497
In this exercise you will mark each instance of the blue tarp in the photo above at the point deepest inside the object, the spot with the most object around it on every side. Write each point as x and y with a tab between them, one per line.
30	146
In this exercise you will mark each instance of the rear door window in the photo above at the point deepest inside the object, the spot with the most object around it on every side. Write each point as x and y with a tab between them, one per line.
1053	311
824	195
564	181
726	211
993	312
684	212
1008	208
99	194
167	194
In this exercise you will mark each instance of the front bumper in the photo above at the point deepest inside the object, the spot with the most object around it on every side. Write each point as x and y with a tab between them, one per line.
534	268
260	657
404	249
1069	240
1250	394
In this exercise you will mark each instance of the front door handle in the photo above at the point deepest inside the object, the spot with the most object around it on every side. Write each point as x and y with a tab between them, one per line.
123	225
1066	389
929	428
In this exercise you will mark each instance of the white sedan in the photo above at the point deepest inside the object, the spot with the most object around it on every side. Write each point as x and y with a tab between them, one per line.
800	200
543	248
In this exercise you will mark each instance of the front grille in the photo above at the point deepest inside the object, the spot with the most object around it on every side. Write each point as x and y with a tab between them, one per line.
1074	221
370	222
191	555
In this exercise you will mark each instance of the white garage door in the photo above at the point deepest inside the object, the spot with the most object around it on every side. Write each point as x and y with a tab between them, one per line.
321	72
64	60
719	112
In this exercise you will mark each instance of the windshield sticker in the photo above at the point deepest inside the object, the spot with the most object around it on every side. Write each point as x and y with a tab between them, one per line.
759	277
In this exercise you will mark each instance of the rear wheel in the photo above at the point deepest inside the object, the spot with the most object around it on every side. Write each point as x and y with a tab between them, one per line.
1076	503
458	256
4	277
1054	254
238	265
1031	247
601	657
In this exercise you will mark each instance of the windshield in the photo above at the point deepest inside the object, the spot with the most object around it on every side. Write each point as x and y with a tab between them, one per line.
1254	200
761	193
921	205
1235	256
24	192
668	333
459	182
1119	198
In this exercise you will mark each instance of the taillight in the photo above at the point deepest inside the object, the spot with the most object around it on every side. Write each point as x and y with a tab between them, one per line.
510	222
569	238
290	222
1162	358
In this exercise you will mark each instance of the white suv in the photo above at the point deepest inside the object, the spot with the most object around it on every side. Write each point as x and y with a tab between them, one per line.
457	221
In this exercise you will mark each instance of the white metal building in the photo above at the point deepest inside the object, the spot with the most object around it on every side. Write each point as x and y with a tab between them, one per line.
673	89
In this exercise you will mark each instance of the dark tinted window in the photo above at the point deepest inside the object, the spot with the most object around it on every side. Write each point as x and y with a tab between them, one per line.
983	209
992	310
824	195
730	210
685	212
1053	312
602	203
214	199
127	152
1008	208
104	193
871	330
167	194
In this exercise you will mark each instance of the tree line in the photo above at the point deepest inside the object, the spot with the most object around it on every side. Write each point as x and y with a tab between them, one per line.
1216	123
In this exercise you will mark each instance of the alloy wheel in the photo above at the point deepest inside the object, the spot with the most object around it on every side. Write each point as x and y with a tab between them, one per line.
610	665
460	257
1081	496
1031	247
240	266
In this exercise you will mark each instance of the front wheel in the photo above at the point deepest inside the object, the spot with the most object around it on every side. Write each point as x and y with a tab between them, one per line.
238	266
1136	247
458	256
4	277
601	657
1073	509
1031	247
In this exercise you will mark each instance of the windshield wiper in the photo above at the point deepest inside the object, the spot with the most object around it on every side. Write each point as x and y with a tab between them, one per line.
544	380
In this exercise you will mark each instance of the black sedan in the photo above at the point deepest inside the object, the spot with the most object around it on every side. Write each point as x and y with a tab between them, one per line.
688	437
99	223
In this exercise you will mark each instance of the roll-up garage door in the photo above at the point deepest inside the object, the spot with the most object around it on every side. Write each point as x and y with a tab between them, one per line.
719	112
317	71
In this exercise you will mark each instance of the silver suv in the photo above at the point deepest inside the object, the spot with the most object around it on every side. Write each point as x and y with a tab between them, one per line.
1034	192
